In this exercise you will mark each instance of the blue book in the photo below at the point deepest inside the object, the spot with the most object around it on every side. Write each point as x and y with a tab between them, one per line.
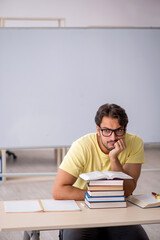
104	198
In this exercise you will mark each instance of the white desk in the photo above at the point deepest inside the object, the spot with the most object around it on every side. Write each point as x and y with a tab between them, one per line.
60	152
80	219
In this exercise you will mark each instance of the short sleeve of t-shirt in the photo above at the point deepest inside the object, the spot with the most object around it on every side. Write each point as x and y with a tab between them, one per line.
135	150
73	162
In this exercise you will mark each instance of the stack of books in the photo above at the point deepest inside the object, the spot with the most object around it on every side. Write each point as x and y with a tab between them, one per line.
105	189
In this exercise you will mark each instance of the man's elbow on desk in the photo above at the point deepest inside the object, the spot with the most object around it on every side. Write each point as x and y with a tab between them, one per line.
55	194
63	188
68	192
58	192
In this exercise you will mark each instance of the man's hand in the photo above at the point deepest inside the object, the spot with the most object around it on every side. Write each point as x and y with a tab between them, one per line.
119	146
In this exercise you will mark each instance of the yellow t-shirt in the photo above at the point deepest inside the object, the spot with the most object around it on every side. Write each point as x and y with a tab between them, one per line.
85	156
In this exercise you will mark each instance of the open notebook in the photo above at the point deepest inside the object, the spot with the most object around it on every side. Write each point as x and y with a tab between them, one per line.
49	205
144	200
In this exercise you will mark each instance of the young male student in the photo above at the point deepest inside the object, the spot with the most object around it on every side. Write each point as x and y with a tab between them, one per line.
110	148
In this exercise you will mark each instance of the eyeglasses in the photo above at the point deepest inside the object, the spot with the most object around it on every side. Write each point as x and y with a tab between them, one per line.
106	132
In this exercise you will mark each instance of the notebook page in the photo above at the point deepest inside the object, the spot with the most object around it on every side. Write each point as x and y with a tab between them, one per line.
59	205
22	206
92	175
116	174
147	198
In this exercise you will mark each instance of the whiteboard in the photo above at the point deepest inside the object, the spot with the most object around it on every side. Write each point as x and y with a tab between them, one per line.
53	80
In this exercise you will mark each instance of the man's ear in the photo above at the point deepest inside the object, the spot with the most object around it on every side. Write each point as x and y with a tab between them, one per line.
98	131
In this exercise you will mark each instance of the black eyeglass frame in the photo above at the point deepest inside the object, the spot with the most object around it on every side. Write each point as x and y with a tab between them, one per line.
112	130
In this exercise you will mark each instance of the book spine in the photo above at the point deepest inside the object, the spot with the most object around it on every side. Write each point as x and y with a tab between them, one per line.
106	182
104	198
105	193
104	187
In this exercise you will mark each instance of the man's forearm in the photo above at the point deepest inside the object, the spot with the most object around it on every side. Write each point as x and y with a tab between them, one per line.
129	185
115	164
67	192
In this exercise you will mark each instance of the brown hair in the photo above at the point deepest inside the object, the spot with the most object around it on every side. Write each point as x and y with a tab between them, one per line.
112	111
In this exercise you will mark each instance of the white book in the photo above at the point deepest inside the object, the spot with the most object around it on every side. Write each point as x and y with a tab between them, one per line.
144	200
40	205
105	204
96	175
105	193
109	182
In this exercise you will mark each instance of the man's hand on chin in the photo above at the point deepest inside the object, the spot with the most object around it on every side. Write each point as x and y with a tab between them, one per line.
119	146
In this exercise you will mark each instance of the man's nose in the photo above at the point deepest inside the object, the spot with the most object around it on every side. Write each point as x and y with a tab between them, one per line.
113	136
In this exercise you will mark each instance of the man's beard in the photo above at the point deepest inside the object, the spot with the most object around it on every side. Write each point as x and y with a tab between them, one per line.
106	146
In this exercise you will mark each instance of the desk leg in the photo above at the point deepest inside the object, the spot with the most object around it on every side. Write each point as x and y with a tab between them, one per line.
60	154
59	157
31	235
3	163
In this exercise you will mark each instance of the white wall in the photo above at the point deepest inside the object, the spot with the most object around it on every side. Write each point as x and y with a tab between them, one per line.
82	13
53	81
143	13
